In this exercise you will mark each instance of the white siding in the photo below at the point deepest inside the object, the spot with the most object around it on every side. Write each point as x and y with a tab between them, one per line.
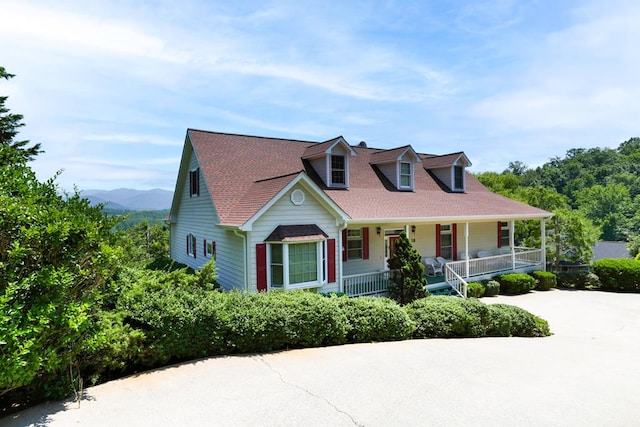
445	175
197	215
284	212
321	168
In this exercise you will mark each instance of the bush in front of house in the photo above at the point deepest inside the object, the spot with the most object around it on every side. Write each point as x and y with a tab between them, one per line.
515	283
374	319
618	274
545	280
507	320
447	317
475	290
581	280
491	288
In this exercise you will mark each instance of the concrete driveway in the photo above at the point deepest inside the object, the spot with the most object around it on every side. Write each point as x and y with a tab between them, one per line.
586	374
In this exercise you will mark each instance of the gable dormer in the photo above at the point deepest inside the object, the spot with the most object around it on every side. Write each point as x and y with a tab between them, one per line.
450	169
398	165
330	160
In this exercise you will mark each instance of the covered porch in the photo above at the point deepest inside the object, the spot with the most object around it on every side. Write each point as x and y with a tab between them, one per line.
477	260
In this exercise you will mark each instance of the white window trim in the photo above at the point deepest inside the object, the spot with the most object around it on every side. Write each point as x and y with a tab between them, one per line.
193	242
453	178
322	265
330	171
360	238
400	175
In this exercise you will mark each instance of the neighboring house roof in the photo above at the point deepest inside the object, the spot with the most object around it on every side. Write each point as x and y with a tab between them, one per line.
243	173
605	249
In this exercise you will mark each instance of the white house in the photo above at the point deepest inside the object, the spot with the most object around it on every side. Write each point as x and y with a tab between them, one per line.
287	214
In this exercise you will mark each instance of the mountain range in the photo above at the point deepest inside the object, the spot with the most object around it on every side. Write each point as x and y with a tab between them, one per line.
130	199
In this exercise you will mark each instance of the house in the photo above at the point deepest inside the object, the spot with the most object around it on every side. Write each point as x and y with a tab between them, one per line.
287	214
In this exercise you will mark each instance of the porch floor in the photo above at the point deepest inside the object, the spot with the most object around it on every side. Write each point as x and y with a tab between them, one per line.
434	279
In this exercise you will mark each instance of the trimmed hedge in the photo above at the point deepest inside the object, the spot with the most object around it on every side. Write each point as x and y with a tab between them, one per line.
581	280
445	317
545	280
475	290
618	274
515	283
375	319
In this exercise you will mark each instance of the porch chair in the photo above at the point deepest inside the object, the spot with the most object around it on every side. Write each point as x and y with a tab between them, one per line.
432	268
441	261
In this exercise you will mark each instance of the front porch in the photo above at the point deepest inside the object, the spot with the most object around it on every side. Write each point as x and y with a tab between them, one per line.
456	273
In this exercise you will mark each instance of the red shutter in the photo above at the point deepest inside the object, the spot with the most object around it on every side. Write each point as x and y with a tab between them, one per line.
195	247
331	260
204	247
365	243
198	182
188	243
438	242
344	245
454	241
499	234
261	266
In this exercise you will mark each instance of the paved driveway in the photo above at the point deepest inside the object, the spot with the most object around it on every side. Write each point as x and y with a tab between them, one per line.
586	374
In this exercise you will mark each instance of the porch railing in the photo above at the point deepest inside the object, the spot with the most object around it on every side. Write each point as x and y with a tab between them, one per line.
522	259
366	284
456	282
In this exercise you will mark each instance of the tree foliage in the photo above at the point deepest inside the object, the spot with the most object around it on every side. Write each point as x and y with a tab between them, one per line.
407	272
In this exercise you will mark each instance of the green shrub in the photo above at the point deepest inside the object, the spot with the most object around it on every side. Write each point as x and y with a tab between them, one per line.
545	280
515	283
375	319
447	316
507	320
621	275
491	288
475	290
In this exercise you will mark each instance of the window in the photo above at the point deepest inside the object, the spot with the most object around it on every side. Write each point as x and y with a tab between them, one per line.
209	248
458	178
405	174
194	182
338	170
504	234
446	241
354	243
191	245
295	265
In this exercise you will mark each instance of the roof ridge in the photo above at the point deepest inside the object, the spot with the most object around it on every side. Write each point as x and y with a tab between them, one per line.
252	136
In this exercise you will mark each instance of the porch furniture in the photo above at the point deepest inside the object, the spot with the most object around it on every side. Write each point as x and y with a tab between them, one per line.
432	267
441	261
484	254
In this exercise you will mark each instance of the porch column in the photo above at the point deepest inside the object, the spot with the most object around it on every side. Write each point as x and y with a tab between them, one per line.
512	231
466	249
543	242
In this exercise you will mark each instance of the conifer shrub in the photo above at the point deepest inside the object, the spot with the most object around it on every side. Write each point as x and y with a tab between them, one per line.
545	280
407	273
515	283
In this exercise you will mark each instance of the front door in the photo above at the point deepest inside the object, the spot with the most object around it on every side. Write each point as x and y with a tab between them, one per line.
390	249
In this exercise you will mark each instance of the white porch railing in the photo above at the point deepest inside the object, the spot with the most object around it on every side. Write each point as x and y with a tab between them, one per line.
521	260
366	284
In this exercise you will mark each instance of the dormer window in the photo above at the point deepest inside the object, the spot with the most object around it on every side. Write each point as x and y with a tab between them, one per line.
406	175
338	170
458	178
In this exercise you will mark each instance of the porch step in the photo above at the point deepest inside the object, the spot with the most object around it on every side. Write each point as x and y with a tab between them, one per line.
441	289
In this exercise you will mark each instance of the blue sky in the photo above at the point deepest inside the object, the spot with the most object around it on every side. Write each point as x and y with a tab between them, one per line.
110	87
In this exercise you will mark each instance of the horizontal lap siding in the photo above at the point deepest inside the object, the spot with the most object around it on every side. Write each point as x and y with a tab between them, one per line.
197	215
284	212
482	237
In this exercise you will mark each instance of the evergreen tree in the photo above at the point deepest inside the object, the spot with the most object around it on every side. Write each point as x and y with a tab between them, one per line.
407	273
9	126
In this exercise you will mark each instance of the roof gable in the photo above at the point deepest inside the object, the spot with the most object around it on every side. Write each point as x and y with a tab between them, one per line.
430	161
393	155
325	148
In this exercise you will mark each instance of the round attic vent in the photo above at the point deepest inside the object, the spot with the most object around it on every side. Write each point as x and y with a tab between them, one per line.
362	144
297	197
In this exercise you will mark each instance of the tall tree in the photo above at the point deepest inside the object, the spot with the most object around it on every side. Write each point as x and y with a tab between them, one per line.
10	123
407	272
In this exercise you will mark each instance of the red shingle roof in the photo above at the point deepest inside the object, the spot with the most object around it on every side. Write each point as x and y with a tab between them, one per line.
243	173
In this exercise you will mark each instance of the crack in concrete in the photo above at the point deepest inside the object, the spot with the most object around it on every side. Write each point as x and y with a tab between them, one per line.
355	423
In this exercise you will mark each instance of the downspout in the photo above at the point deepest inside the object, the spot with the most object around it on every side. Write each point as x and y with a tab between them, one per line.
246	258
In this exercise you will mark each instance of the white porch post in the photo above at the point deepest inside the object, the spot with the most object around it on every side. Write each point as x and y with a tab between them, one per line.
543	242
512	230
466	249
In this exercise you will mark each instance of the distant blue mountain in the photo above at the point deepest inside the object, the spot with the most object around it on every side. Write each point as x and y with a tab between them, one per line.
130	199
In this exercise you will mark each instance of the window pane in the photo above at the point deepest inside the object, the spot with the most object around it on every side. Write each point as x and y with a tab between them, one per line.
405	168
458	178
354	232
338	170
303	263
277	270
405	180
276	254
